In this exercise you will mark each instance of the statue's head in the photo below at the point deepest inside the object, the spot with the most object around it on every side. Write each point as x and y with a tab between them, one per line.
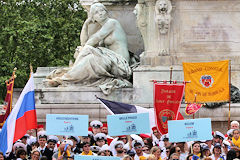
98	12
163	6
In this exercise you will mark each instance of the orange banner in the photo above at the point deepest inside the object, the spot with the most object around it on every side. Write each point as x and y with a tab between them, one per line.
209	81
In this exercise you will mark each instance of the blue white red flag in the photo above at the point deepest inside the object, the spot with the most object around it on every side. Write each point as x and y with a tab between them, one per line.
123	108
22	118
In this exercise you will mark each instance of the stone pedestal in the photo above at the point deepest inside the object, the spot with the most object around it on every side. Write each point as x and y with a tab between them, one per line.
144	74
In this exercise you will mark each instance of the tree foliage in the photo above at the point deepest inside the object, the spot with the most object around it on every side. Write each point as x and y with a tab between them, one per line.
40	32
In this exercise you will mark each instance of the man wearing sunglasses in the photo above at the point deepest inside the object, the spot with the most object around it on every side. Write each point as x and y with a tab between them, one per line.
138	145
119	149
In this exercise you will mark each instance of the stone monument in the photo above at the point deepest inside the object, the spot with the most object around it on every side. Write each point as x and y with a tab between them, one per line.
164	33
102	60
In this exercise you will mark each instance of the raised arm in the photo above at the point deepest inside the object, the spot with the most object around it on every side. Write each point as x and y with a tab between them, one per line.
105	30
84	33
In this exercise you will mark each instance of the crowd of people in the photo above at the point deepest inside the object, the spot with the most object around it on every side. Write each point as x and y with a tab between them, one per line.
133	147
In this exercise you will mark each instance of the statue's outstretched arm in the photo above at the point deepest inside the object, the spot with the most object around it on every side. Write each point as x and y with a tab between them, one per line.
105	30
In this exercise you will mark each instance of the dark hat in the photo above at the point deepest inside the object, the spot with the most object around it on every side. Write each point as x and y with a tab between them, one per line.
130	153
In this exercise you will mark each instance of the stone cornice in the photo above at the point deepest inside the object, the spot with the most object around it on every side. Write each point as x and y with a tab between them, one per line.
110	2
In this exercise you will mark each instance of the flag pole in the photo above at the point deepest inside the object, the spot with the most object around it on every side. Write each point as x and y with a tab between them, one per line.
31	72
171	70
171	81
229	107
31	69
195	100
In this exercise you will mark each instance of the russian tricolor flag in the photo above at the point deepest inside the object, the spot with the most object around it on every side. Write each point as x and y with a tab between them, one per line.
22	118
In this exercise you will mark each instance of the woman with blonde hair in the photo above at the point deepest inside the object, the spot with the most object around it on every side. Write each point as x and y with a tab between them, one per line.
151	157
35	154
156	151
127	157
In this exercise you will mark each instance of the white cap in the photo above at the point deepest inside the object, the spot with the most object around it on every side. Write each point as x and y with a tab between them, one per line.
165	136
230	131
217	133
42	134
96	124
26	135
137	141
68	142
90	133
117	143
105	147
100	136
19	145
226	143
136	137
53	138
95	148
203	144
76	138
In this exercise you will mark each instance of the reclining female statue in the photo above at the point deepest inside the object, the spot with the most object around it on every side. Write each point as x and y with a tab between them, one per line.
102	59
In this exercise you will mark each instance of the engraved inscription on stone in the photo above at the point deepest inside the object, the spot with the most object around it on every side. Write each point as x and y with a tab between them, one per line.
208	31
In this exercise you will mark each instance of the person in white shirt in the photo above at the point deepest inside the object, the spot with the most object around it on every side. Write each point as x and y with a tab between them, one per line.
42	140
217	150
137	145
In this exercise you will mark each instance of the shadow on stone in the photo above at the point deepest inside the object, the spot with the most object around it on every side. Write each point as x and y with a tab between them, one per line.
235	98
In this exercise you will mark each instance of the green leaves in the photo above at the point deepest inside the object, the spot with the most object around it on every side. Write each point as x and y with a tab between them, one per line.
40	32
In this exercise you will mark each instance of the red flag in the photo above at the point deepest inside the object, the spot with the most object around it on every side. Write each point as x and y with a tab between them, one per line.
167	101
7	108
180	117
109	140
192	108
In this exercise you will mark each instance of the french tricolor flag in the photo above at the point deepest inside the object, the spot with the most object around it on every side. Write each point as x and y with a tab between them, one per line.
22	118
123	108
